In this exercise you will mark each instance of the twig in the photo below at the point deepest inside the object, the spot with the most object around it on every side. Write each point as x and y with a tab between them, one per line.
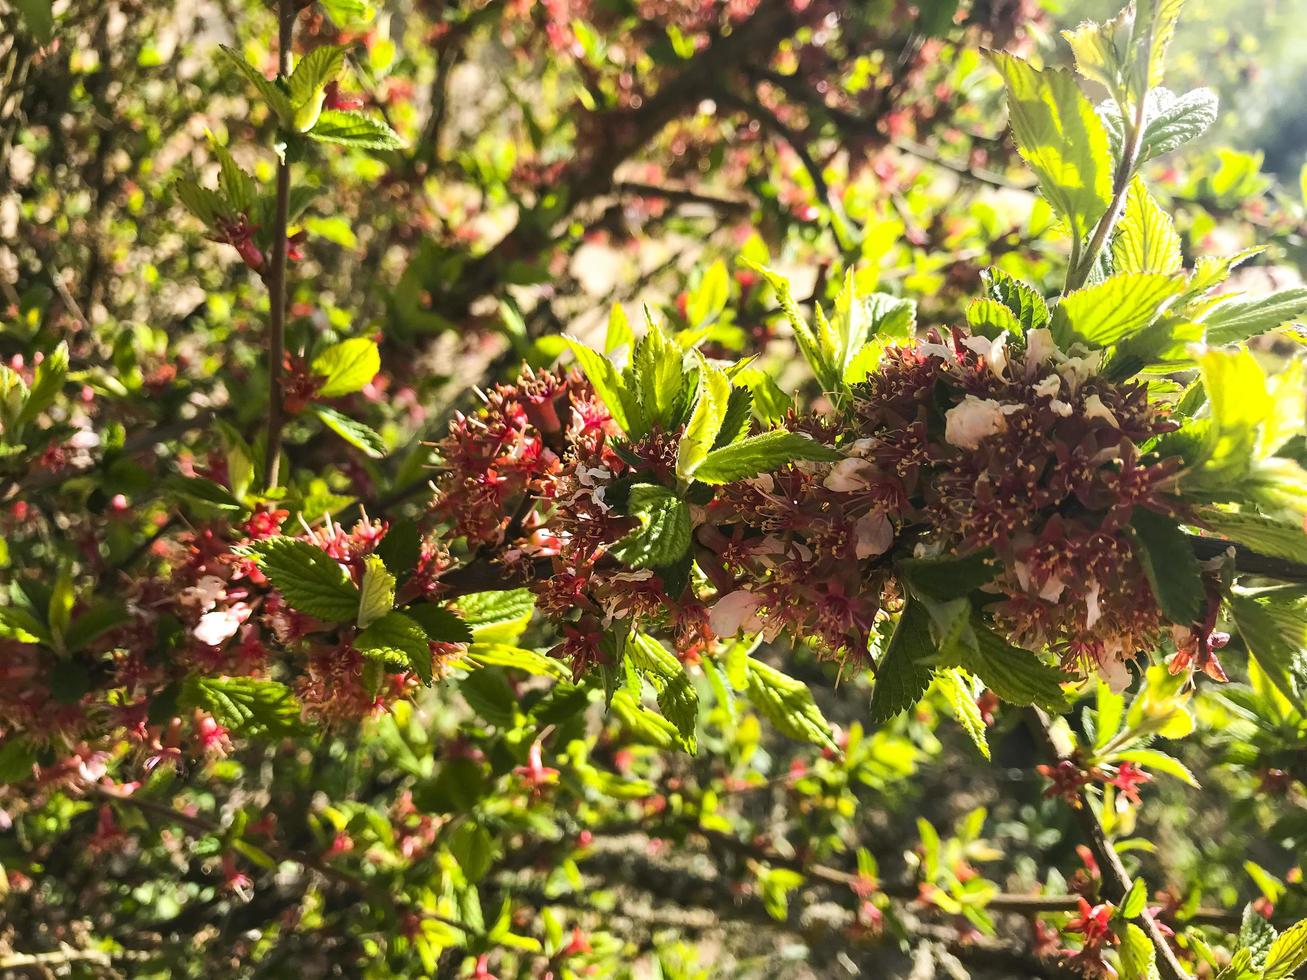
276	279
677	195
1116	881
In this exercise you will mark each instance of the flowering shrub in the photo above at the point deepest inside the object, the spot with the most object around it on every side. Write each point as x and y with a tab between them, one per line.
341	671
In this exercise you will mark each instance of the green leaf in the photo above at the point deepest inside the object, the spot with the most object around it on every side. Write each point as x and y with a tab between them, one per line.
236	185
658	379
47	382
397	638
440	624
1174	120
352	431
38	15
788	705
608	385
1169	562
1280	539
646	726
271	93
769	403
619	333
706	302
989	318
488	694
677	698
377	595
496	615
1240	319
354	129
347	367
347	13
814	352
21	625
663	536
1146	239
245	705
758	454
1114	309
473	848
1138	957
1154	27
1017	676
1021	298
1102	50
205	204
203	491
317	68
1256	934
958	689
1135	900
705	421
904	672
1061	137
1275	633
308	577
94	622
518	658
1287	953
16	760
948	577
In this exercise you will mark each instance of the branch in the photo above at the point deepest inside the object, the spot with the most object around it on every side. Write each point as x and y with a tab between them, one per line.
677	195
1248	561
1116	881
276	279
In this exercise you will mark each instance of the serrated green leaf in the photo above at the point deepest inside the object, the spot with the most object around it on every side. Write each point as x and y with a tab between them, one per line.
352	431
271	93
355	130
440	624
1287	953
608	385
203	491
396	637
21	625
47	381
1138	957
1159	762
1266	535
1017	676
1146	239
504	655
308	577
663	536
948	577
706	302
989	318
647	726
1275	632
1169	563
1154	26
658	379
236	185
958	689
1021	298
758	454
904	672
1256	934
377	594
317	68
347	367
677	698
1058	133
1239	319
619	333
705	421
1114	309
1173	120
245	705
788	705
496	616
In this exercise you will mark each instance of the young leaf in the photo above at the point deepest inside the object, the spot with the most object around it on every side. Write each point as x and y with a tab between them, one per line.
1114	309
308	577
1138	957
207	205
317	68
244	705
1280	539
758	454
1275	632
663	536
608	385
989	318
1240	319
619	333
788	705
1287	953
347	367
272	94
504	655
236	185
705	421
47	382
1061	137
377	595
495	615
1017	676
1170	564
1019	297
1146	240
658	379
706	302
354	129
440	624
903	674
1154	27
958	689
352	431
397	638
677	698
1173	120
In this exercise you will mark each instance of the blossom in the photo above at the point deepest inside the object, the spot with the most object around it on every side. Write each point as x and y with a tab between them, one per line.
735	612
972	421
217	627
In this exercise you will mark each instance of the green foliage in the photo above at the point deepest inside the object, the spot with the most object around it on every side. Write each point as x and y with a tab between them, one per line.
311	581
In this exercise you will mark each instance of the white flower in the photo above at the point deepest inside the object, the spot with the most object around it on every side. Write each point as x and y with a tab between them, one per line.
1060	407
1052	590
734	612
217	627
1049	387
1095	409
971	421
992	352
1075	370
1040	348
850	475
873	533
1093	612
1115	672
205	593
